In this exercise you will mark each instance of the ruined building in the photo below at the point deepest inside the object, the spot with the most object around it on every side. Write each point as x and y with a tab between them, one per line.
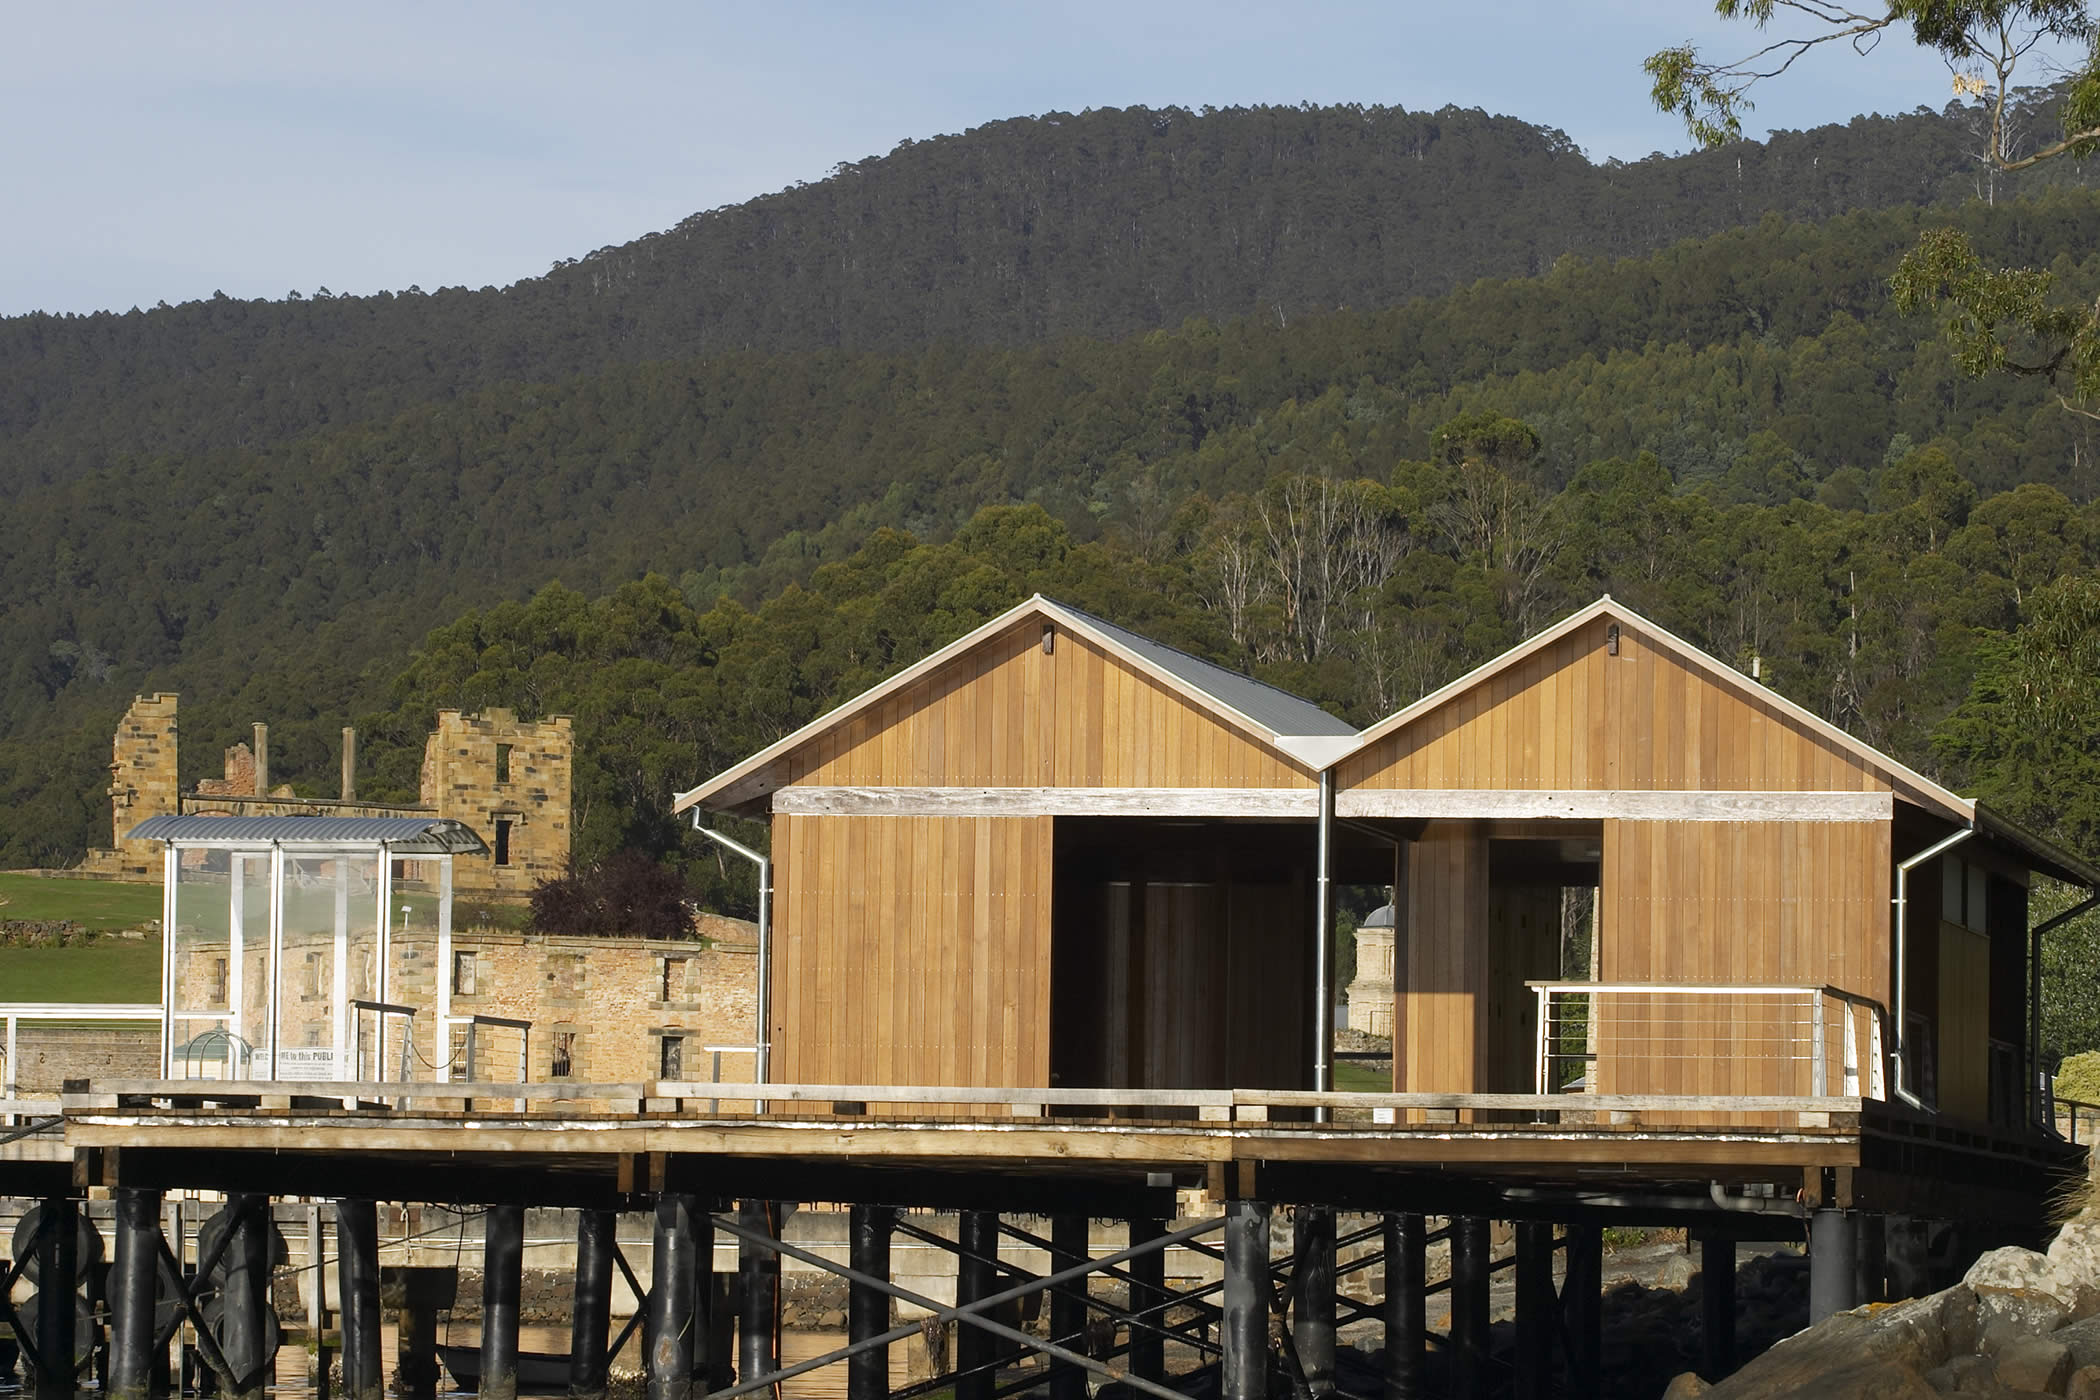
507	779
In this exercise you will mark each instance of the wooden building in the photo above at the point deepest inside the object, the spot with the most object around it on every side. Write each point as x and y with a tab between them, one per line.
1057	854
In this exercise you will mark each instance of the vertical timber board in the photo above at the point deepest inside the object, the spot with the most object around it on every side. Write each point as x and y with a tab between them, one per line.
1574	717
913	950
1447	914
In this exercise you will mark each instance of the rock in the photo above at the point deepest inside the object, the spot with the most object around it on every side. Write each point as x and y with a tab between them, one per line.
1677	1272
1865	1380
2069	1273
1685	1386
2035	1363
2083	1338
2007	1314
2084	1384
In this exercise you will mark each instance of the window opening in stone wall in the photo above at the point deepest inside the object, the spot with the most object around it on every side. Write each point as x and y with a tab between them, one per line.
561	1062
462	1063
671	1064
218	983
502	842
674	979
502	763
463	974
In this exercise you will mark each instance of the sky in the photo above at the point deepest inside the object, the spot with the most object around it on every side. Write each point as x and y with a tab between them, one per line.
167	152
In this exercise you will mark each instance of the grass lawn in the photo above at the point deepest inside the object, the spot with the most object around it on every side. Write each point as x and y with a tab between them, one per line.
1356	1077
115	970
109	969
101	905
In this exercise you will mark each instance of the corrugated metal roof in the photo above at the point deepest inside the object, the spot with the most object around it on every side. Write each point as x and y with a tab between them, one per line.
404	835
1276	710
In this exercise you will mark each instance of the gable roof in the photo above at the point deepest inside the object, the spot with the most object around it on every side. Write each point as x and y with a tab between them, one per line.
1293	726
1907	781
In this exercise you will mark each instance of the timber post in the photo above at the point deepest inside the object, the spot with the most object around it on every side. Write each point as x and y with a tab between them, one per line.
674	1316
357	1297
134	1292
1471	1260
1069	1249
976	1278
1716	1306
1245	1333
503	1257
1833	1263
758	1286
1405	1312
590	1317
1148	1302
1537	1310
1312	1295
867	1310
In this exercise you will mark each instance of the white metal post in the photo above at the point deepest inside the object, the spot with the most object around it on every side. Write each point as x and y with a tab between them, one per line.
236	1022
170	876
275	972
1851	1054
339	984
441	1050
13	1083
1540	1076
1818	1072
385	882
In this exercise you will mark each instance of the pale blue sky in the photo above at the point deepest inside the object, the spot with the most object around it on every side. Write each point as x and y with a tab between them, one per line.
162	152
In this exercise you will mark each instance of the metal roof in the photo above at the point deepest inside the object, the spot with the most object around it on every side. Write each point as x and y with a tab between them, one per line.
401	835
1276	710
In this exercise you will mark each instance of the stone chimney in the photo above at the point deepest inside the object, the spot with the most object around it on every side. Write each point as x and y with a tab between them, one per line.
349	764
261	745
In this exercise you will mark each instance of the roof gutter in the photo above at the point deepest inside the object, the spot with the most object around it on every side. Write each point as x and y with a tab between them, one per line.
1900	1082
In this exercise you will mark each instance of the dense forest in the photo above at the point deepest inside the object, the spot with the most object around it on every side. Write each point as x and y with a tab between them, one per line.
605	494
1099	225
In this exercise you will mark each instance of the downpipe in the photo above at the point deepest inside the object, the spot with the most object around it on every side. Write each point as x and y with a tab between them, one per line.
762	1042
1899	1037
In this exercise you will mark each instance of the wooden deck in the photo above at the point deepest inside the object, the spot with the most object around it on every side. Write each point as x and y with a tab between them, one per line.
580	1143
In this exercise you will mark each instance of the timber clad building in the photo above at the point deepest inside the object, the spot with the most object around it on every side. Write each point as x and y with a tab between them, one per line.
1057	854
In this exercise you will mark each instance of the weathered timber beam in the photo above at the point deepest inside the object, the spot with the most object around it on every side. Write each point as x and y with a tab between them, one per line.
1614	805
1046	802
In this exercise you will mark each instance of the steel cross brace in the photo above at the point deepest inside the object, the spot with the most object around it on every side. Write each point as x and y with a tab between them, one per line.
973	1314
1206	1313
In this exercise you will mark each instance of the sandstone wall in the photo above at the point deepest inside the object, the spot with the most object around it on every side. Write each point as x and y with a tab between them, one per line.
48	1055
143	783
510	781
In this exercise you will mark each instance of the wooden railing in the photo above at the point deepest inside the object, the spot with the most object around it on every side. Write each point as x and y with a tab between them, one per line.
1281	1109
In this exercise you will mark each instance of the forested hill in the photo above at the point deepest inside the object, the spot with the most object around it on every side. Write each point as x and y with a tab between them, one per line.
1019	232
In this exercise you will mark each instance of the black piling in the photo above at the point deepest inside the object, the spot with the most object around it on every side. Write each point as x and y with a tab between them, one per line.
1406	1306
675	1326
357	1295
418	1294
758	1286
502	1262
1716	1307
1582	1310
1471	1261
1068	1250
133	1293
867	1309
57	1265
1245	1333
1538	1312
1312	1295
976	1276
1148	1297
1871	1259
590	1315
248	1337
1833	1263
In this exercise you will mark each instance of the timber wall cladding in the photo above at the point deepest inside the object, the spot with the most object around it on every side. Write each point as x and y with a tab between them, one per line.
1008	715
1798	904
913	950
1574	717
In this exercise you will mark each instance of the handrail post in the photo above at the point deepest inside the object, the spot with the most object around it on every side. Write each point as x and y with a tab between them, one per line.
1540	1076
1819	1070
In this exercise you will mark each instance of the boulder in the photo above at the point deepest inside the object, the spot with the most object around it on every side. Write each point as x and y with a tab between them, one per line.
2034	1363
2006	1314
2069	1272
1964	1375
1685	1387
2084	1384
1899	1340
2083	1338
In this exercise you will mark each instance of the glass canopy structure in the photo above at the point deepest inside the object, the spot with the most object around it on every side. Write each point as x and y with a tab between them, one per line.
278	954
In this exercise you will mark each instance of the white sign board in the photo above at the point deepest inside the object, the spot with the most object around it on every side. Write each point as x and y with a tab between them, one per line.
309	1062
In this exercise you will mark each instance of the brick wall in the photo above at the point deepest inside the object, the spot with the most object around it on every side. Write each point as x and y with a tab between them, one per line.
510	781
48	1055
616	999
143	783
